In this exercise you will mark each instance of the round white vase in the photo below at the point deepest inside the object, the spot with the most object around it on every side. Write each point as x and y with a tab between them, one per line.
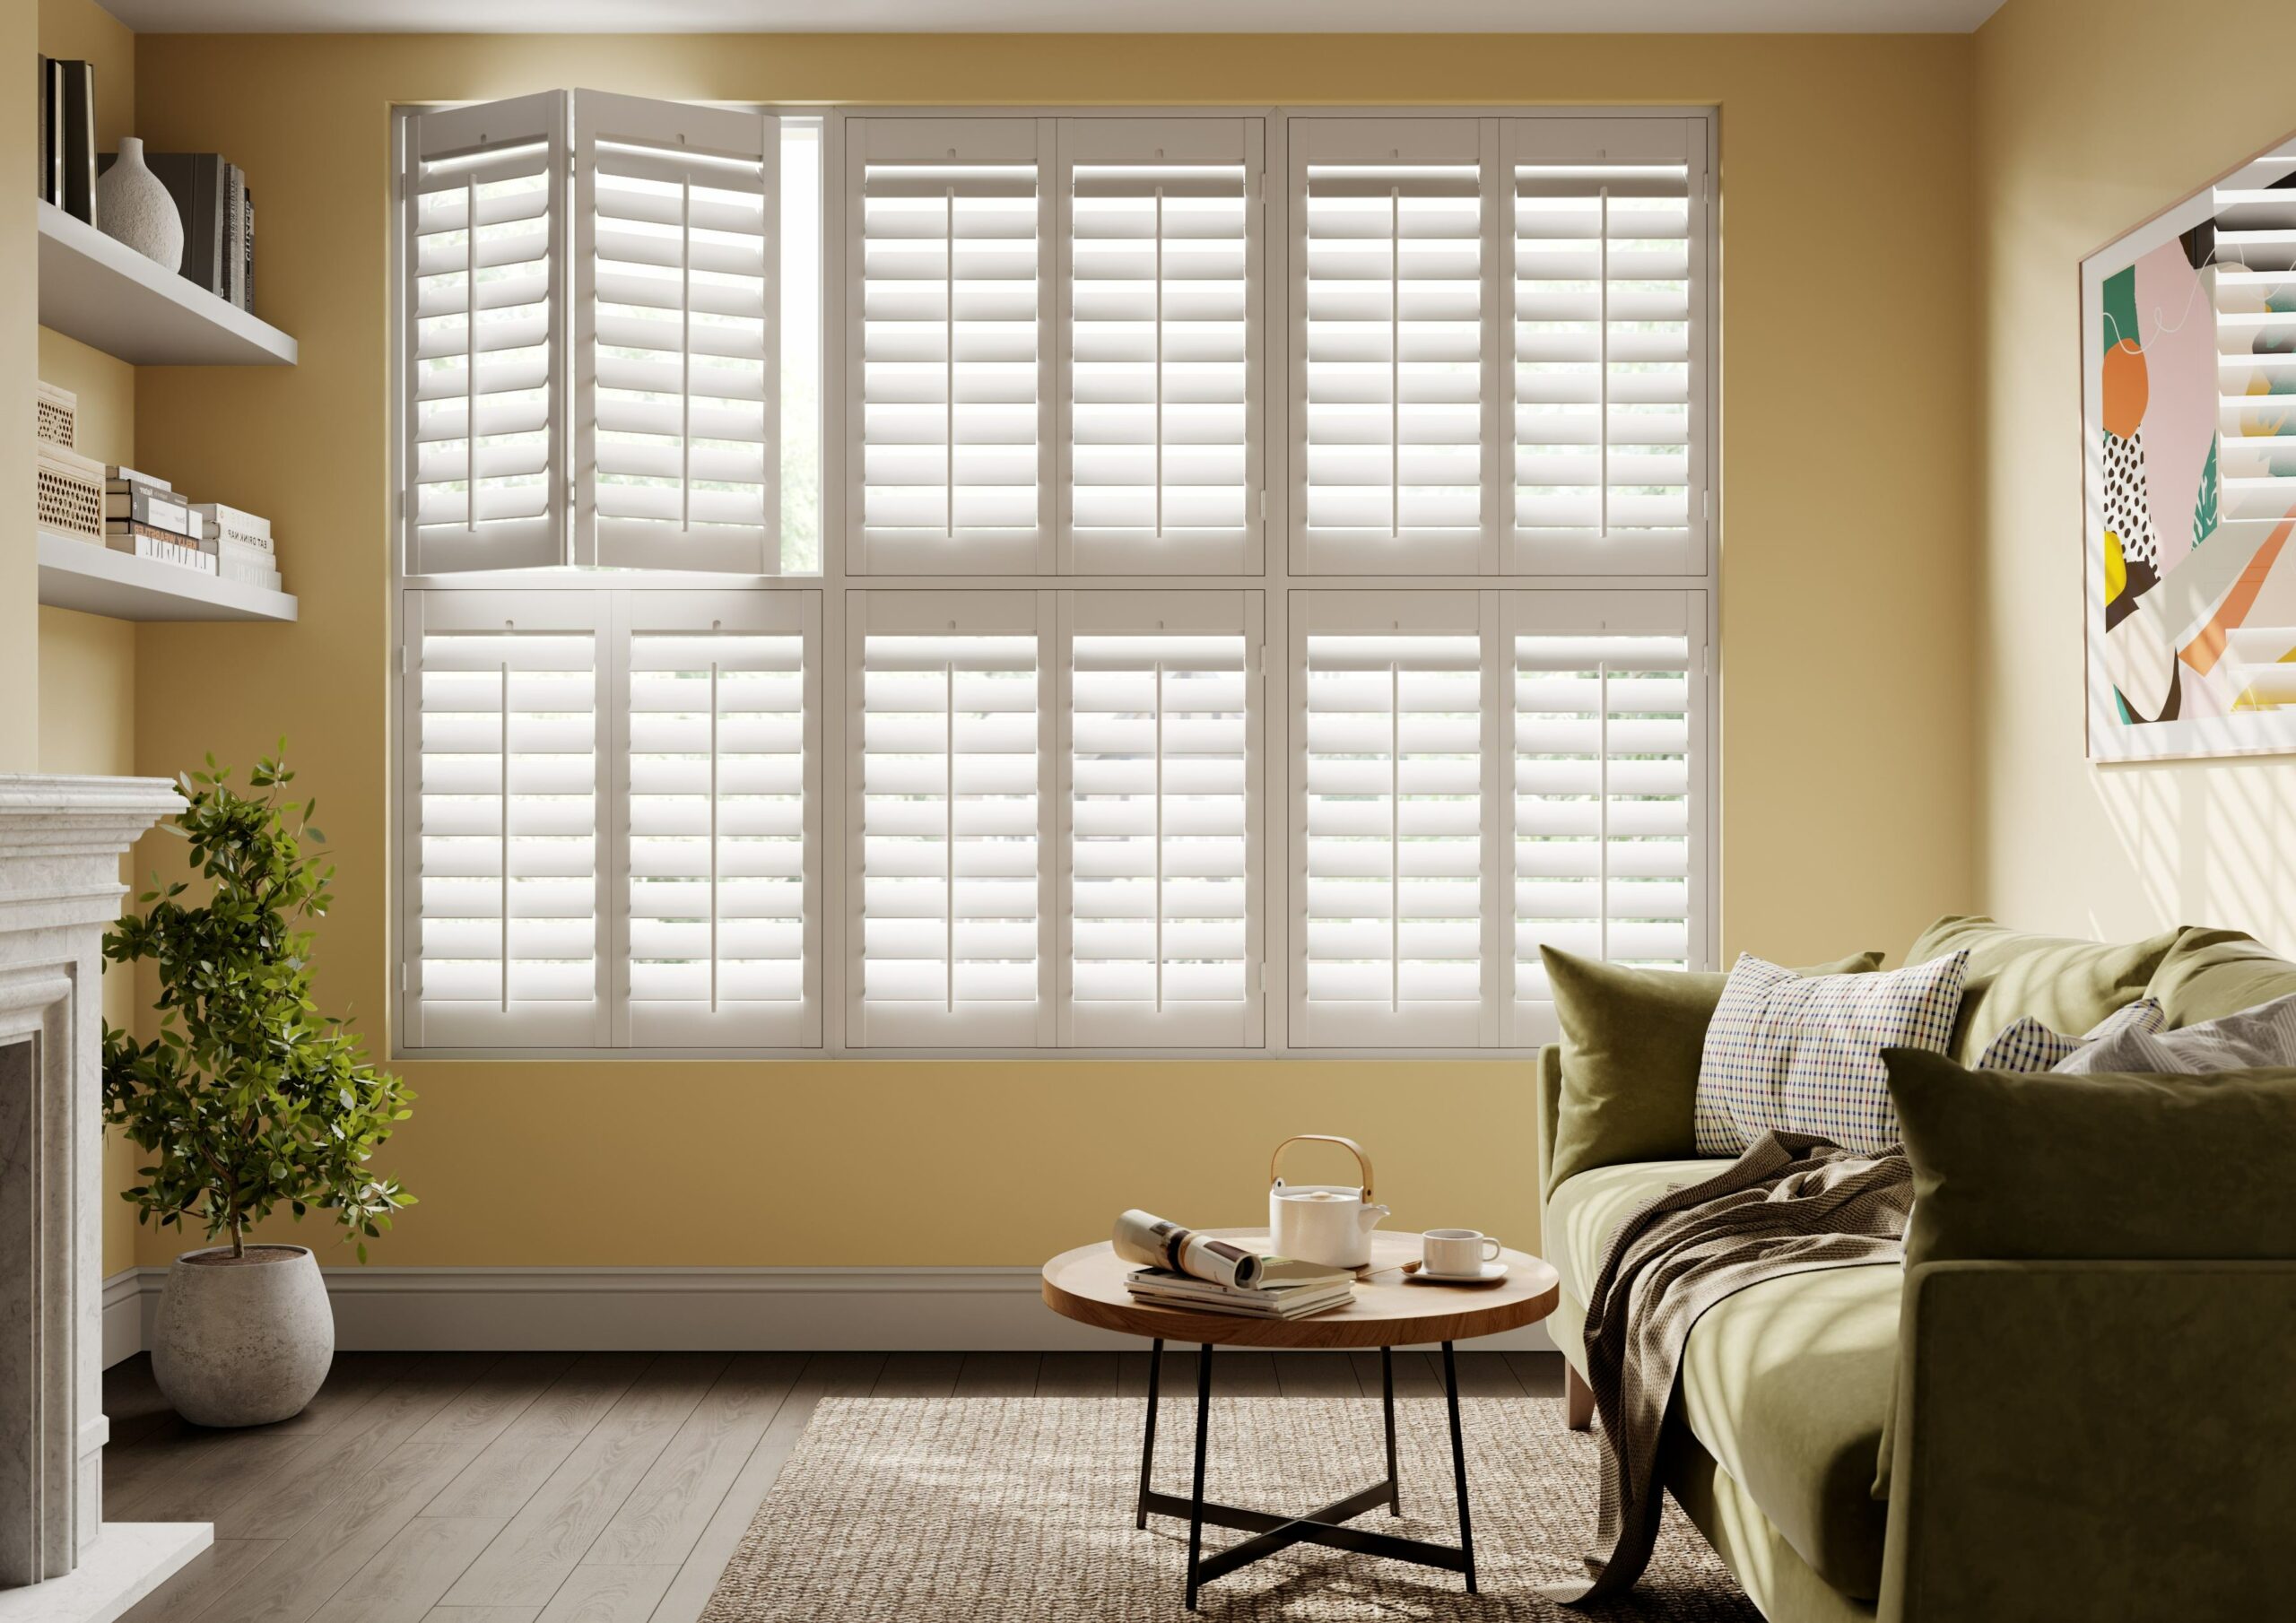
242	1341
133	205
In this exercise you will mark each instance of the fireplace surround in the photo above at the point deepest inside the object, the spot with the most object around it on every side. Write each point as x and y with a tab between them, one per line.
61	841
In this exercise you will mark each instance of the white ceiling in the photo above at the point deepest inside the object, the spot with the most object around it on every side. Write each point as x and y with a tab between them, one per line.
1053	16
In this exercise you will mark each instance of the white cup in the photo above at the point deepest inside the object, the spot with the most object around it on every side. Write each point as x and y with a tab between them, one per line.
1455	1254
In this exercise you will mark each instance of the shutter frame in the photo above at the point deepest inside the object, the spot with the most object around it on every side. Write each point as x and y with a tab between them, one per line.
462	135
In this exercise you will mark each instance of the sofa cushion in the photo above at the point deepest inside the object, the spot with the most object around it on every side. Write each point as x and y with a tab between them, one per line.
1784	1384
2209	974
1631	1040
2066	983
2026	1045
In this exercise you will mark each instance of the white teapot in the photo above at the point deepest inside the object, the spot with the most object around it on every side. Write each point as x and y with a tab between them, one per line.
1326	1223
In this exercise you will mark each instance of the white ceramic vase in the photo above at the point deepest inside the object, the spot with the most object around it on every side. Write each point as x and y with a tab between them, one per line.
242	1341
133	206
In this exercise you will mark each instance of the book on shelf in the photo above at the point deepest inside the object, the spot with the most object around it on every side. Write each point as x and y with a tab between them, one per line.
232	550
246	245
249	527
70	123
245	573
160	509
141	541
1282	1301
117	478
201	184
51	130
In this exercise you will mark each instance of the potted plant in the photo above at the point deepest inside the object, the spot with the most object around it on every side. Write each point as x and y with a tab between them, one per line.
249	1099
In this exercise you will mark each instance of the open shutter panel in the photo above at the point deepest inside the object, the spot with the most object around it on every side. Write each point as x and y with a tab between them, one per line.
949	358
1392	761
721	921
1390	244
677	326
1609	768
1163	723
1163	398
952	729
505	701
1609	377
2254	283
485	359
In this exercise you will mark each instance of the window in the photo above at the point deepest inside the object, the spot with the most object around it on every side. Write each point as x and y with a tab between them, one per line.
838	610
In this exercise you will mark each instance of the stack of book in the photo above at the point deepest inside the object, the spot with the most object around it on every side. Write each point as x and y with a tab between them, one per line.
143	516
1284	1299
67	136
218	213
243	544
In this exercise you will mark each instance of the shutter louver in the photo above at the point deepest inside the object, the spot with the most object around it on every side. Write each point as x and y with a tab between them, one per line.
678	305
1160	918
1608	766
1392	779
485	363
949	370
1608	385
950	834
1162	360
721	927
1392	265
506	709
2254	285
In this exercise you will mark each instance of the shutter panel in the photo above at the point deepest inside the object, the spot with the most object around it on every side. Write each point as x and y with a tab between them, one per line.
721	916
677	325
1610	774
1391	378
505	701
1162	401
1609	381
2254	284
1161	921
1393	761
951	733
484	363
950	363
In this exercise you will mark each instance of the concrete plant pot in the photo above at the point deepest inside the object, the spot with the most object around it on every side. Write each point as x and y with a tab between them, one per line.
242	1340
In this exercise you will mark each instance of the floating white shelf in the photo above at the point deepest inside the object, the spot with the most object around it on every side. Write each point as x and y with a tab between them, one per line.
105	293
96	580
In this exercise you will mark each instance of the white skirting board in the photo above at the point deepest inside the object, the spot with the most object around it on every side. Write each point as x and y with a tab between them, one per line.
675	1309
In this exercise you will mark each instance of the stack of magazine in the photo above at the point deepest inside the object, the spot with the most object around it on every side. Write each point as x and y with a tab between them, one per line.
1181	1268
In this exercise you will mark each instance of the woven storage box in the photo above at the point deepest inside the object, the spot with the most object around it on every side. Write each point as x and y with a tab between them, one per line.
70	494
59	416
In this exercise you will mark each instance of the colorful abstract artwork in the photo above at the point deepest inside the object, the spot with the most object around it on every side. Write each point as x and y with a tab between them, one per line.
2189	423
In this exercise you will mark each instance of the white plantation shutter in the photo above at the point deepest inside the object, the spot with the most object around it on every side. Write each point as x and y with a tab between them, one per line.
1160	413
949	360
504	702
1609	771
1393	385
1161	924
677	310
1393	770
951	733
485	361
2254	286
720	923
1608	376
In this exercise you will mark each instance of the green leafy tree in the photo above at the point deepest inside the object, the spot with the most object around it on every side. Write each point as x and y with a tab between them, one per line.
249	1098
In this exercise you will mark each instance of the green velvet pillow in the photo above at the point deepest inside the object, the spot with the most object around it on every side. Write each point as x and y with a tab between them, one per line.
2210	974
2066	983
2009	1167
1631	1040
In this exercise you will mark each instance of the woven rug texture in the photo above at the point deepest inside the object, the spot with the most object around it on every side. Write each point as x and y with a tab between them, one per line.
1018	1510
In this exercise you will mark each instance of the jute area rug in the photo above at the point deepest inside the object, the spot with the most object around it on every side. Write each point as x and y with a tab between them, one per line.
1018	1510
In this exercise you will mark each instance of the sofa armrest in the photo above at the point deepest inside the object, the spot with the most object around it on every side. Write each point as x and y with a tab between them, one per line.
1550	1113
2092	1440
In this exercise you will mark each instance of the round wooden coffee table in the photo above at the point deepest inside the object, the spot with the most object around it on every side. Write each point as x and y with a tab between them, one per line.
1390	1310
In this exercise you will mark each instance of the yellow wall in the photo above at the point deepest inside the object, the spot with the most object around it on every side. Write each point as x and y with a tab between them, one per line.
1845	693
86	711
2091	116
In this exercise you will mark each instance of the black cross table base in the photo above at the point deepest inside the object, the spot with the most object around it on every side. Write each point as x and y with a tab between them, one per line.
1327	1525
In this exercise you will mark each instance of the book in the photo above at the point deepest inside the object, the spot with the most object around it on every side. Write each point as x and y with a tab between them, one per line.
196	181
247	574
78	196
234	187
114	475
232	550
147	506
142	542
247	243
51	130
1267	1302
250	526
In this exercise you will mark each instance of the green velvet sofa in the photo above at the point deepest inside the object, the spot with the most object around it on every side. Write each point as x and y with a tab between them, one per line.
2077	1436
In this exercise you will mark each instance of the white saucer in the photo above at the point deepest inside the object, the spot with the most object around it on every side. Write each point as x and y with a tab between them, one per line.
1490	1274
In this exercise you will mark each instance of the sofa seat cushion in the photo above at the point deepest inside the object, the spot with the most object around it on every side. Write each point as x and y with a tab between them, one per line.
1786	1383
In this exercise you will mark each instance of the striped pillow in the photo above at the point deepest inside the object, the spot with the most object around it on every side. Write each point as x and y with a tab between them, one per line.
2026	1045
2262	1038
1787	1052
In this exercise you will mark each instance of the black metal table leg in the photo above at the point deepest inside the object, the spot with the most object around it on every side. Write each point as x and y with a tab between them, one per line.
1148	1442
1459	1464
1196	1498
1387	1402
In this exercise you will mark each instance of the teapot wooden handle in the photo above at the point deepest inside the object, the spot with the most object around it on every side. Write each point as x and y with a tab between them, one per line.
1361	1159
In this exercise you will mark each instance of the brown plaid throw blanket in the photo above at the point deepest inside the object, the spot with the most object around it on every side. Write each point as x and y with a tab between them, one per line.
1789	1204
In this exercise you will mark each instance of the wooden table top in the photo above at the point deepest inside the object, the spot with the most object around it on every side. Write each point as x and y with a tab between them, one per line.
1087	1285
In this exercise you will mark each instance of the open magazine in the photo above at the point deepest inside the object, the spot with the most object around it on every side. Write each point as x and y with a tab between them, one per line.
1159	1243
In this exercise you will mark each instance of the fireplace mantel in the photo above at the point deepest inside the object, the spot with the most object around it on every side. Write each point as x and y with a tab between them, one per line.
61	841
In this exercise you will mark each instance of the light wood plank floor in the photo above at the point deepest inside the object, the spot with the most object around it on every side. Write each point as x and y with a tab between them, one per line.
604	1486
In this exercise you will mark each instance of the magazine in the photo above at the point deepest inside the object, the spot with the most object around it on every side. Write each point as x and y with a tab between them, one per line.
1159	1243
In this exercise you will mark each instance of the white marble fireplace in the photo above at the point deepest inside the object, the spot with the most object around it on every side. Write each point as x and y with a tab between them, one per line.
61	839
